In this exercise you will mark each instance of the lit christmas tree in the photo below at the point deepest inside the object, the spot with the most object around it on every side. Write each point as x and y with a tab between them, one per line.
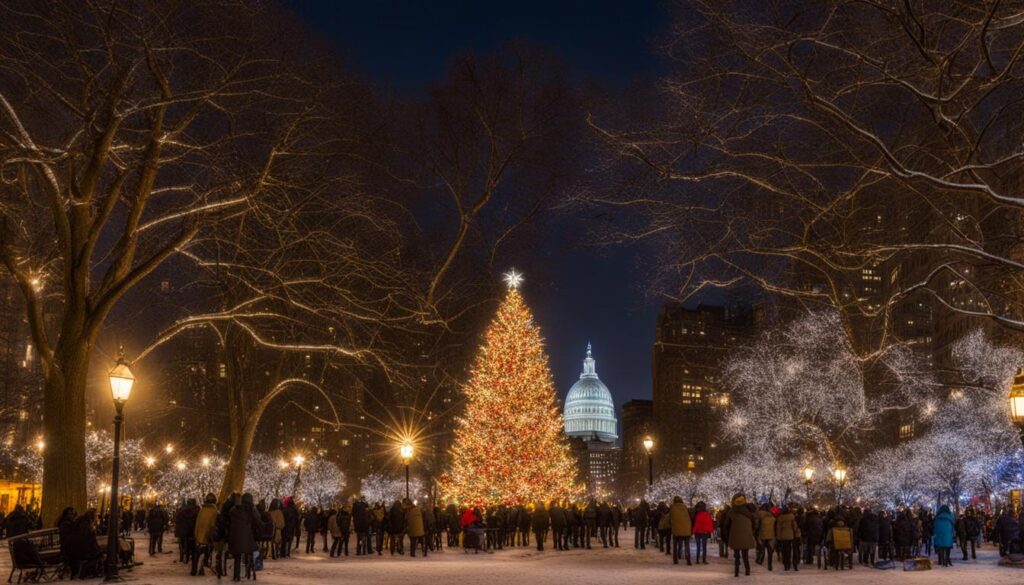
509	447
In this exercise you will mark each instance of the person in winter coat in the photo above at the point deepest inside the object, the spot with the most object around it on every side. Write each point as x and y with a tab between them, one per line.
311	523
703	528
17	523
664	529
156	525
927	530
814	534
1007	531
414	527
589	522
540	521
340	526
613	528
429	522
185	529
291	527
682	529
396	528
361	524
967	530
204	534
787	534
378	526
277	519
604	521
723	536
884	536
559	533
741	525
83	546
944	527
867	537
454	524
765	536
639	519
244	524
903	535
65	525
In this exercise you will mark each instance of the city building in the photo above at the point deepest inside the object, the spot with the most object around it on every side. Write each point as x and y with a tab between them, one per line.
637	424
589	416
691	346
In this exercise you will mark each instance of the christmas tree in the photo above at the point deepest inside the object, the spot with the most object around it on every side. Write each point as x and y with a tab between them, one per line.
509	447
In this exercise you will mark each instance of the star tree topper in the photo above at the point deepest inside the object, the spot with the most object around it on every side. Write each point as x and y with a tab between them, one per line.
513	279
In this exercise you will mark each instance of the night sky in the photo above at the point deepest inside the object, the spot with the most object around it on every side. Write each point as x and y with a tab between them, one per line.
586	293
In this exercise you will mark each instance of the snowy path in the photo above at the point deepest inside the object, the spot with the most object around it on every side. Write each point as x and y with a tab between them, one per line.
624	566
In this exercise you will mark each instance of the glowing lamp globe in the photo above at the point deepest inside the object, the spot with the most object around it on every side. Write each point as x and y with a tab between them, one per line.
298	460
809	473
406	451
840	474
648	444
121	381
1017	399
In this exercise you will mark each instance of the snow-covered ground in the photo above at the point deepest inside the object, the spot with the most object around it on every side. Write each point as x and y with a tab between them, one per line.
526	566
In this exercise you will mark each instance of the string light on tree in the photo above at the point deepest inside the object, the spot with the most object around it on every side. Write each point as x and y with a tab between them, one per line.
509	447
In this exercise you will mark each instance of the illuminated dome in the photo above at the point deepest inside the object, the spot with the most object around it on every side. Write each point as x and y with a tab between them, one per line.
589	408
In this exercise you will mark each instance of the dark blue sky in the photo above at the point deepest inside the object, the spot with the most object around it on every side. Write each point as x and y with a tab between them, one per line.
591	294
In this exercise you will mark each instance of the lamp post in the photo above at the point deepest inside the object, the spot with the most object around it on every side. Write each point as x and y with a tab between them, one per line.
121	382
840	475
1017	402
406	451
648	446
298	460
808	480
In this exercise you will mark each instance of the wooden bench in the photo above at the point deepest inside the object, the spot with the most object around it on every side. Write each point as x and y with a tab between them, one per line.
36	556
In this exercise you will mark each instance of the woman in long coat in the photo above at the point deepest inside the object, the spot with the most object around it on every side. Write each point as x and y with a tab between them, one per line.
943	535
245	522
741	524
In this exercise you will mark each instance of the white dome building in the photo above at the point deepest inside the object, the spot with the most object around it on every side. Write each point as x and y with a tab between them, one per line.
589	409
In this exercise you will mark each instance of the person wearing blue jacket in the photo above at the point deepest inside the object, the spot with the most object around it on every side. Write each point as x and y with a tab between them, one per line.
943	535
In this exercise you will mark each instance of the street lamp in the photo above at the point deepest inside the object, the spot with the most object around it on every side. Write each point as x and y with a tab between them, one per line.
1017	402
298	460
648	446
406	451
169	448
840	475
808	479
121	382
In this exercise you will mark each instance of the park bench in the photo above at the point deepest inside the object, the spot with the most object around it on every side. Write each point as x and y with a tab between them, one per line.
36	556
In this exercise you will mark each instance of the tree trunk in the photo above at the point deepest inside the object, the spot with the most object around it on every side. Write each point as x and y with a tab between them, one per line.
234	472
64	430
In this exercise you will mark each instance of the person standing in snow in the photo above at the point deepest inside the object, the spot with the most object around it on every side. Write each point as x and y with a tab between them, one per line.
741	525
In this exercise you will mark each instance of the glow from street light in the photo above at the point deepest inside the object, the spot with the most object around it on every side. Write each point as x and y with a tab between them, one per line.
648	443
406	451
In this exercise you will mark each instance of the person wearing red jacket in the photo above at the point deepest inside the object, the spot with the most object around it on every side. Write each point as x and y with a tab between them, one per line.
703	528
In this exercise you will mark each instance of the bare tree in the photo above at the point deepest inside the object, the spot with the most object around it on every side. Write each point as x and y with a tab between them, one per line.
801	147
126	133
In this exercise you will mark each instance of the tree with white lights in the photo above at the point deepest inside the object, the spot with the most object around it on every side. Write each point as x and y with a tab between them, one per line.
322	482
799	390
377	487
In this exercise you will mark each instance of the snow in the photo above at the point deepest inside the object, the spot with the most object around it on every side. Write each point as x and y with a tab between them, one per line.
577	567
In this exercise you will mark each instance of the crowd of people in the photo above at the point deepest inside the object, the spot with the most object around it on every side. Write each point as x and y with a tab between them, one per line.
795	535
243	533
